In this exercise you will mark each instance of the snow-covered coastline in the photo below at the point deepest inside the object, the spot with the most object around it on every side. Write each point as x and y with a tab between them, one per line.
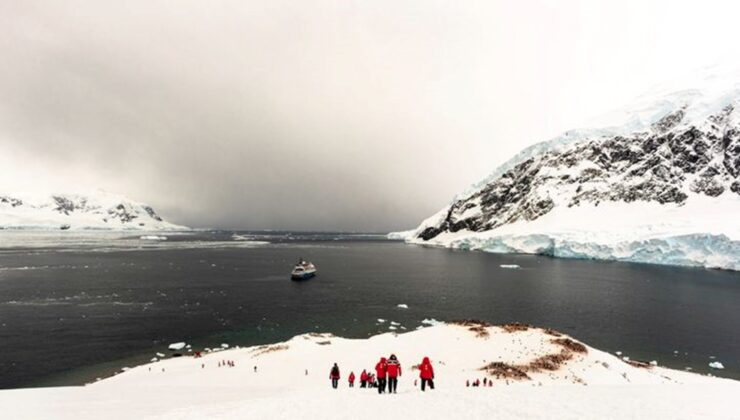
536	373
658	183
84	211
644	233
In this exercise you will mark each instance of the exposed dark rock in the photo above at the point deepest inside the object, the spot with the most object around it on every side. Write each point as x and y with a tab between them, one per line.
659	165
150	211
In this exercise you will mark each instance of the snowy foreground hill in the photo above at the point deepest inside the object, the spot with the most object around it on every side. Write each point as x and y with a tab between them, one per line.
95	211
660	186
536	373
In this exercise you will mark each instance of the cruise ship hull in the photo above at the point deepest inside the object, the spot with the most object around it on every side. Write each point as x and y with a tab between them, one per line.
302	276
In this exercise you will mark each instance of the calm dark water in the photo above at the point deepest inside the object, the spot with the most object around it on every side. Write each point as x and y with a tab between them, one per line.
72	312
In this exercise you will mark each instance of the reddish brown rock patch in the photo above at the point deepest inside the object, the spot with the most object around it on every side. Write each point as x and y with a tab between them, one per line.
571	345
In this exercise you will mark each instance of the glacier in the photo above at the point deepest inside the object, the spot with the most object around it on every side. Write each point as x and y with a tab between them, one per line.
698	250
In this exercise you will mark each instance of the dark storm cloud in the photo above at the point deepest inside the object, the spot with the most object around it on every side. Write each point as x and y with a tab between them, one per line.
296	115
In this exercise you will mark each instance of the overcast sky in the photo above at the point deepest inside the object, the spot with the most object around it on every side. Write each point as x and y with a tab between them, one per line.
319	115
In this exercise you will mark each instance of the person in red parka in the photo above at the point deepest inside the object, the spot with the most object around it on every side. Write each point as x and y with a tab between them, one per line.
334	376
351	379
381	369
394	371
363	379
426	373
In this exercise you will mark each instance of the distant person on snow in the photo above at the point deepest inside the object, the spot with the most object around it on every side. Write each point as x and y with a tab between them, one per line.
363	379
393	369
426	373
334	376
381	369
351	379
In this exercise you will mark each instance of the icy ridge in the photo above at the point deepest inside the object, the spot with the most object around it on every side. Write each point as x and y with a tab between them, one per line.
673	161
97	210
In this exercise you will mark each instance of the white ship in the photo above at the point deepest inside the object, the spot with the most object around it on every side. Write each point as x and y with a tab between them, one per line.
304	270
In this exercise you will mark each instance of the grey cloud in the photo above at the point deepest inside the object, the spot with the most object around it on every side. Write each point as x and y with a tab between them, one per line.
294	115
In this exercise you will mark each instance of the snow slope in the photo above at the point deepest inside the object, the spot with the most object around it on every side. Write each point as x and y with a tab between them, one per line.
97	210
291	382
662	186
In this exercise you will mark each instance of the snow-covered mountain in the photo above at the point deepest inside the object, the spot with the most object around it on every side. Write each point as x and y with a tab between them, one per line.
92	211
662	186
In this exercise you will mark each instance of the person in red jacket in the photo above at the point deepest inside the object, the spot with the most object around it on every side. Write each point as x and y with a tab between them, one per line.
351	379
394	371
426	373
334	376
363	379
381	369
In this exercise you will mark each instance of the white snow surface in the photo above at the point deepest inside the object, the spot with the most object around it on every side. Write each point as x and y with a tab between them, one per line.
591	385
91	210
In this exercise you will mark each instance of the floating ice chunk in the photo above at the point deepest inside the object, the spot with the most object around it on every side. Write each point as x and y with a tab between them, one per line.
431	322
653	363
395	323
177	346
154	359
391	327
626	359
618	353
381	320
153	238
123	369
160	354
716	365
224	345
402	306
509	266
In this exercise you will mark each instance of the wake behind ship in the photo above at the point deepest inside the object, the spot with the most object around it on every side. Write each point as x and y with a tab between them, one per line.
304	270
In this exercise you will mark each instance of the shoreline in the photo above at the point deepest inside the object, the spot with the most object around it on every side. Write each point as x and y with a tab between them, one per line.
90	374
521	362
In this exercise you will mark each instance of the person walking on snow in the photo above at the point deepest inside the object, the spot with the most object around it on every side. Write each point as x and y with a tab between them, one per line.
394	371
334	376
381	370
363	379
351	379
426	373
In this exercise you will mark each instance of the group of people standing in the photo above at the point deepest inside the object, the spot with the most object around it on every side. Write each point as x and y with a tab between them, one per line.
387	372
